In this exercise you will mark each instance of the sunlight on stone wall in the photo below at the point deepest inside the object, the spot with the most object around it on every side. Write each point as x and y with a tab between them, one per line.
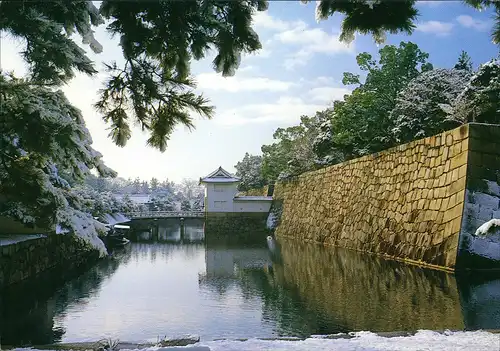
405	202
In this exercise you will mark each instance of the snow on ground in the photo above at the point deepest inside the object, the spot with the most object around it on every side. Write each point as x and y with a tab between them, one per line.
17	238
362	341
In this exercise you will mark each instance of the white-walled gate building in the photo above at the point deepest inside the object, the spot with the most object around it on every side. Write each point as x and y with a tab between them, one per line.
221	189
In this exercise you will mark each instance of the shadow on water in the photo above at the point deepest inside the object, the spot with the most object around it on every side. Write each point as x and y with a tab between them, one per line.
27	309
172	280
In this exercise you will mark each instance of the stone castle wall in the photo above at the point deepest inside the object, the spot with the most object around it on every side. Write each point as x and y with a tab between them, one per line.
26	259
405	203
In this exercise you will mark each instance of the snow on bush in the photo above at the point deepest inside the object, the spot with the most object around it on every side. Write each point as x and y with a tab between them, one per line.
45	150
417	113
84	226
480	99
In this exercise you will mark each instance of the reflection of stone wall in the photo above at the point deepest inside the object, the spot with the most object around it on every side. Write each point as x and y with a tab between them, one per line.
404	203
363	292
26	259
238	226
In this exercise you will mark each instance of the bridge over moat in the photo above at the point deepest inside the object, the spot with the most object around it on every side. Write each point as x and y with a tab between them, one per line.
165	214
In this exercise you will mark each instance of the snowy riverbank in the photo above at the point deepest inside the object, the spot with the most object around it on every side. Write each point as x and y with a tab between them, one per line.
361	341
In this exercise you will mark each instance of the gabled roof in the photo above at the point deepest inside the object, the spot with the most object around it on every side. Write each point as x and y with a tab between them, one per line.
220	175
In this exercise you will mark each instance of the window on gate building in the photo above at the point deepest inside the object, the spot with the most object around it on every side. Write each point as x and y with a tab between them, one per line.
218	188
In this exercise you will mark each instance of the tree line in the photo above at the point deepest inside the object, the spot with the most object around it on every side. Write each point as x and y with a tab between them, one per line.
166	195
402	97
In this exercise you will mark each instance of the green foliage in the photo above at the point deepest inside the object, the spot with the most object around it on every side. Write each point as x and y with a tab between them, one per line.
480	99
377	17
464	62
249	170
292	153
418	112
158	40
44	146
361	124
371	17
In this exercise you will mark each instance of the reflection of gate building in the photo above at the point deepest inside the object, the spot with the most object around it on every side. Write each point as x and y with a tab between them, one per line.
226	262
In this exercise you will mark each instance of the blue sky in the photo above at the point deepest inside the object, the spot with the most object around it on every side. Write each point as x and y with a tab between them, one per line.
298	71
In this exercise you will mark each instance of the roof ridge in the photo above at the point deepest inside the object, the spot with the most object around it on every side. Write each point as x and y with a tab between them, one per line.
220	173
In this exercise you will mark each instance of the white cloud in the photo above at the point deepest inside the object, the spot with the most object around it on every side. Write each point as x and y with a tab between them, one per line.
296	59
264	21
327	94
262	53
286	110
435	27
430	3
322	80
214	81
311	41
470	22
307	41
314	40
248	68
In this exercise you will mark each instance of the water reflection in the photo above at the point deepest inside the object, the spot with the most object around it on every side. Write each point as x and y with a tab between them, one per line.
169	231
480	299
361	292
28	309
173	282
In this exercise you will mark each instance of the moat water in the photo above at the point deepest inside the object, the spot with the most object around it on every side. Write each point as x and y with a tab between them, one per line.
177	282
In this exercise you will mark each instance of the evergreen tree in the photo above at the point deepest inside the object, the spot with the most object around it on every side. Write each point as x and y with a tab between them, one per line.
154	184
185	205
145	187
464	62
377	17
43	144
361	124
480	99
418	113
249	170
136	185
159	39
293	151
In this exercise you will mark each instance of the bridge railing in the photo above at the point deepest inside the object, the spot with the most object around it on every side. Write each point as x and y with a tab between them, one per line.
166	214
